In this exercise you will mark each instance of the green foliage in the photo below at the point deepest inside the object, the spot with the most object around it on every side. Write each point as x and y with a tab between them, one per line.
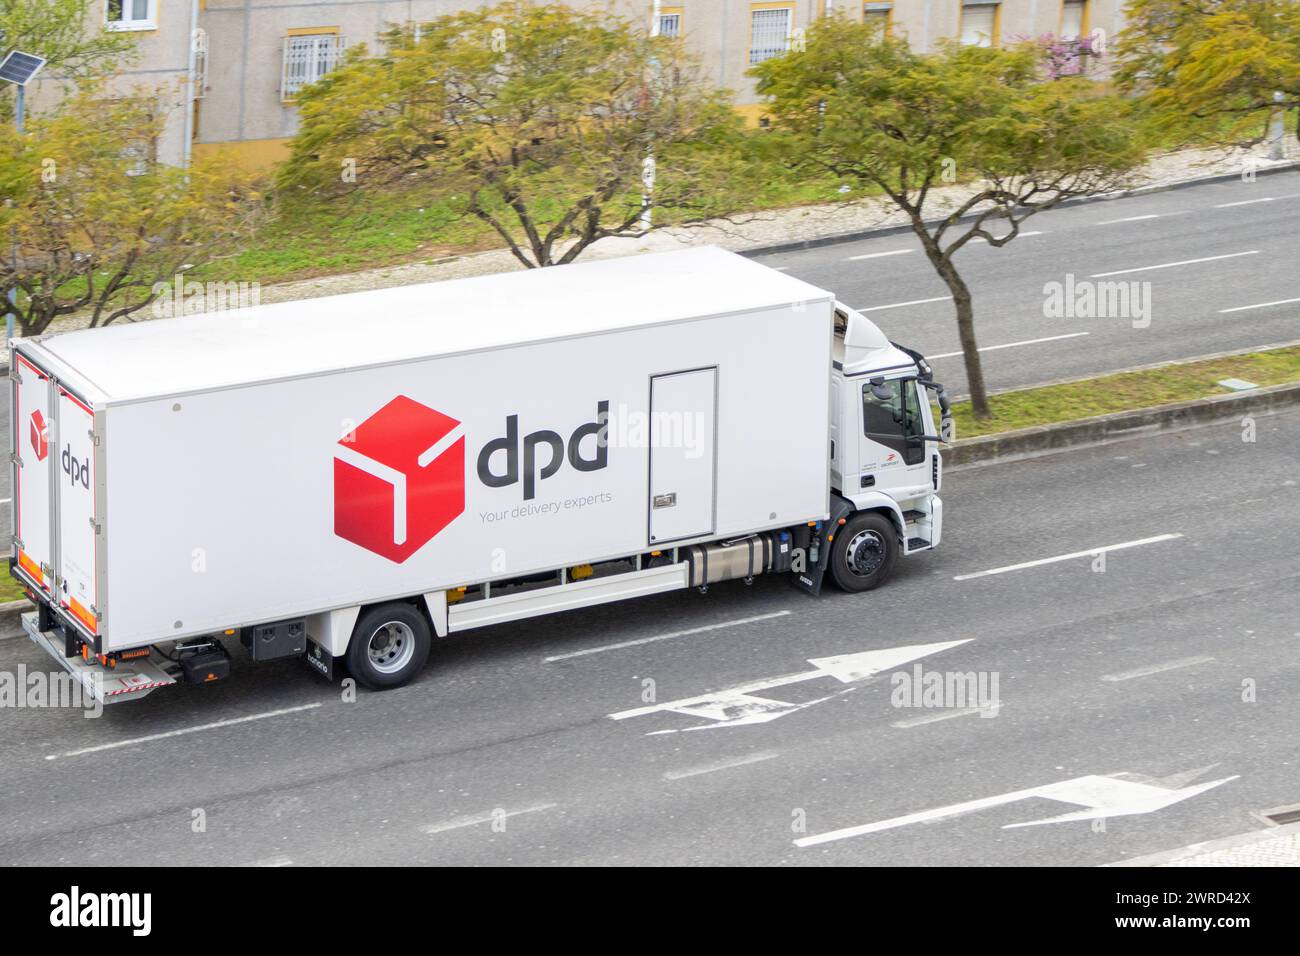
535	119
1208	69
869	108
95	224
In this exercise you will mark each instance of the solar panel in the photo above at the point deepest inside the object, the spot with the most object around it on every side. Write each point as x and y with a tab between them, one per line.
19	67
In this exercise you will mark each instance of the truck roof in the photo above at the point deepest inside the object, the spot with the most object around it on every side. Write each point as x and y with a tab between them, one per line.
291	339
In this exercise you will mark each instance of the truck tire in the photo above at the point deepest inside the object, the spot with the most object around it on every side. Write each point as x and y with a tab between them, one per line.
863	552
389	646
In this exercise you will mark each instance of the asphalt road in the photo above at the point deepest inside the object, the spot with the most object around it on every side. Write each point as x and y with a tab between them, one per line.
1203	249
1176	665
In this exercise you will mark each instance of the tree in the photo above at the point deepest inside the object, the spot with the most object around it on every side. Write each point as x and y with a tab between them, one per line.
538	120
95	226
869	109
1213	66
58	30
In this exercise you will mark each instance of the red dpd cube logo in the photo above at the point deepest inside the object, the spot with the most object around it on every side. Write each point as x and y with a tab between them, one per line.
40	433
399	479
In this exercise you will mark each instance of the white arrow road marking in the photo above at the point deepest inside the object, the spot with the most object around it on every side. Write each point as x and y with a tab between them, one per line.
1109	796
738	706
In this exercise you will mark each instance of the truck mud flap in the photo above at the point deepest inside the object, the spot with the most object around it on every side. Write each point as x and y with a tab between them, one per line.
319	660
129	680
810	580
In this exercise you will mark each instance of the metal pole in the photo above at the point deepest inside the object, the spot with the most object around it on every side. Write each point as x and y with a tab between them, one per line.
647	174
19	109
1277	131
190	92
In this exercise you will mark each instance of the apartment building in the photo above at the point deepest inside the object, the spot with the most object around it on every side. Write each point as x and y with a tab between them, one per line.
248	58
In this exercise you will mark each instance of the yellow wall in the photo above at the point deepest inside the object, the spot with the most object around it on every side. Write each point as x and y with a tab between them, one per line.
255	154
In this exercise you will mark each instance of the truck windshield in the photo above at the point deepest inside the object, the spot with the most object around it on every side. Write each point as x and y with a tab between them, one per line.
896	421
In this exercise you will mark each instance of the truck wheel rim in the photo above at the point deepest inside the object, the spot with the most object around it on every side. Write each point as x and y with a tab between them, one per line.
391	647
866	553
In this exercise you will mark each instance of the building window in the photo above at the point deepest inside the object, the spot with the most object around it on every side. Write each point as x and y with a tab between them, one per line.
130	15
879	14
308	57
979	24
670	24
769	33
1074	19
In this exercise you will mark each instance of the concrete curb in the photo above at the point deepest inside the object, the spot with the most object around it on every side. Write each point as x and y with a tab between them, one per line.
1045	439
10	618
817	242
1211	846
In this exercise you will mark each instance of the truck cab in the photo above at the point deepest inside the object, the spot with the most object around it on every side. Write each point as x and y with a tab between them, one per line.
885	463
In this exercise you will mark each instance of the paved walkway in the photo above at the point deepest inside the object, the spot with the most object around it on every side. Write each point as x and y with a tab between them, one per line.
1278	846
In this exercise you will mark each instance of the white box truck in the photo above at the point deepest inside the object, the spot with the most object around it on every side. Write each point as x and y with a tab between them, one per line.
346	478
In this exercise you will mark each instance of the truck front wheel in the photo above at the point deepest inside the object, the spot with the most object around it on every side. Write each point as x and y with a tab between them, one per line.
863	552
389	646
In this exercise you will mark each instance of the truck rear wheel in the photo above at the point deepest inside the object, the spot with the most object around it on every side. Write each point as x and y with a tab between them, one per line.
389	646
863	552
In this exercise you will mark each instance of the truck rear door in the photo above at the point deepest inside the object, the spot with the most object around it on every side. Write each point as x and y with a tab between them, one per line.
33	443
76	496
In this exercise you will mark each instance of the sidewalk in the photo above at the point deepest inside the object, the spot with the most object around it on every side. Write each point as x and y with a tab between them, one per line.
1276	846
806	224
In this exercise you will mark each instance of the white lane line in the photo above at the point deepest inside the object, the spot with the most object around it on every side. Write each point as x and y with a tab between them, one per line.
1019	236
1258	305
945	715
1111	222
5	501
187	730
1245	202
1158	668
878	255
663	637
1067	557
273	861
1170	265
899	305
460	823
725	765
1012	345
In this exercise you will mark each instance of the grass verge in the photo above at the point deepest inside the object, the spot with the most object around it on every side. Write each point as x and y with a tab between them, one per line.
10	590
1127	391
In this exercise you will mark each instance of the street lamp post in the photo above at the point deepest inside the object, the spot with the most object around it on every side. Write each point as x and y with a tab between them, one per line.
648	164
18	68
